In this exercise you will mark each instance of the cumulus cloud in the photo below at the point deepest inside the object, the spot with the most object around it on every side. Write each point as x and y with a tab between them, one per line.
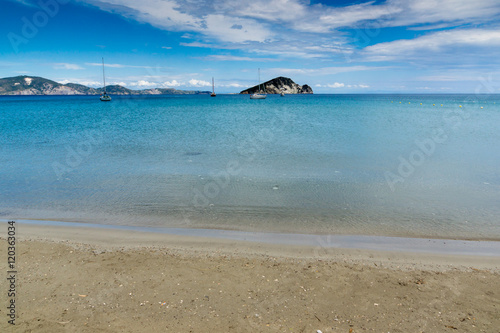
84	82
220	57
325	70
219	26
336	85
296	28
232	85
122	65
172	83
454	12
187	16
143	84
199	83
435	42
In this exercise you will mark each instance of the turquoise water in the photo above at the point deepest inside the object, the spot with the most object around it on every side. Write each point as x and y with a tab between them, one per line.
336	164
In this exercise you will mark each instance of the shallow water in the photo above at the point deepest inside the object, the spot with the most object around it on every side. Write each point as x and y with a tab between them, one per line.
336	164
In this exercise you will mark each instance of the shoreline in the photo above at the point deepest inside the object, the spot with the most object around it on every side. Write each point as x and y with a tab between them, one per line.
391	252
340	241
88	279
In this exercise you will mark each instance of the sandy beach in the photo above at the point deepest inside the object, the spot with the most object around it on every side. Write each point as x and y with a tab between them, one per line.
89	280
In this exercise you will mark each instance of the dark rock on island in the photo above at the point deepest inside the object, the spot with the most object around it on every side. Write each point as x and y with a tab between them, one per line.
278	85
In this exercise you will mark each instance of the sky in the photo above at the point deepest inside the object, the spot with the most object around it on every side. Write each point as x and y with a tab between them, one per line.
381	46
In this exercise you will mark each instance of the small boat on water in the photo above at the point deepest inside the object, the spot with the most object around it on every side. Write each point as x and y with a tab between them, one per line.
104	97
259	95
213	89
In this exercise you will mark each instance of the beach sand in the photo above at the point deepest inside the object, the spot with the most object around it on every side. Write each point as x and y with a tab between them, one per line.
98	280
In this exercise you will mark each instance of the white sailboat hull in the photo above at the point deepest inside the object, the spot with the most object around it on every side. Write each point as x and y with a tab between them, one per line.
258	96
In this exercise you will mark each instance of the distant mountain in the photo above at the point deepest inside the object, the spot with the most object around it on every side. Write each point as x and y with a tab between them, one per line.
34	85
279	84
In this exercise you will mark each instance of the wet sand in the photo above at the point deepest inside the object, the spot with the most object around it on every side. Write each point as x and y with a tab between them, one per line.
77	279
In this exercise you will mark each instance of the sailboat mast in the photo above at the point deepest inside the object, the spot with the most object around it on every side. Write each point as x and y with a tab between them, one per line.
259	80
213	88
103	76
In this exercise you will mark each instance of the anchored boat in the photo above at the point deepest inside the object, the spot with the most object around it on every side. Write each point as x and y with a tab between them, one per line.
259	95
213	89
104	97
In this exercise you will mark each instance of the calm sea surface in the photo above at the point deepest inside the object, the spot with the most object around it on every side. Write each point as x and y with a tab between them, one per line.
395	165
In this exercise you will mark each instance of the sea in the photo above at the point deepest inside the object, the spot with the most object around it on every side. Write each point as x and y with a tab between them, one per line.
382	165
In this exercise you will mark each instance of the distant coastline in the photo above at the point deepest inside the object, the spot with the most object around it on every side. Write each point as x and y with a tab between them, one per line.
24	85
38	86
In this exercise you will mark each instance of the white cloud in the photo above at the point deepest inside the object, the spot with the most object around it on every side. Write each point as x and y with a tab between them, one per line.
171	15
487	77
172	83
221	27
198	16
161	13
105	65
167	47
352	15
435	43
454	11
122	66
198	44
199	83
26	3
236	58
62	65
233	85
276	10
325	70
88	83
335	85
296	28
143	84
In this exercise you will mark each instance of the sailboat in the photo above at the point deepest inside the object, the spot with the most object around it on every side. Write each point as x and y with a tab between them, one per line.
259	95
213	89
104	97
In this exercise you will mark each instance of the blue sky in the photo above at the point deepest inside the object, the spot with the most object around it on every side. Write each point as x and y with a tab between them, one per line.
395	46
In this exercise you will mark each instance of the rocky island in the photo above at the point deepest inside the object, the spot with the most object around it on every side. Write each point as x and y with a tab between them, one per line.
34	85
278	85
